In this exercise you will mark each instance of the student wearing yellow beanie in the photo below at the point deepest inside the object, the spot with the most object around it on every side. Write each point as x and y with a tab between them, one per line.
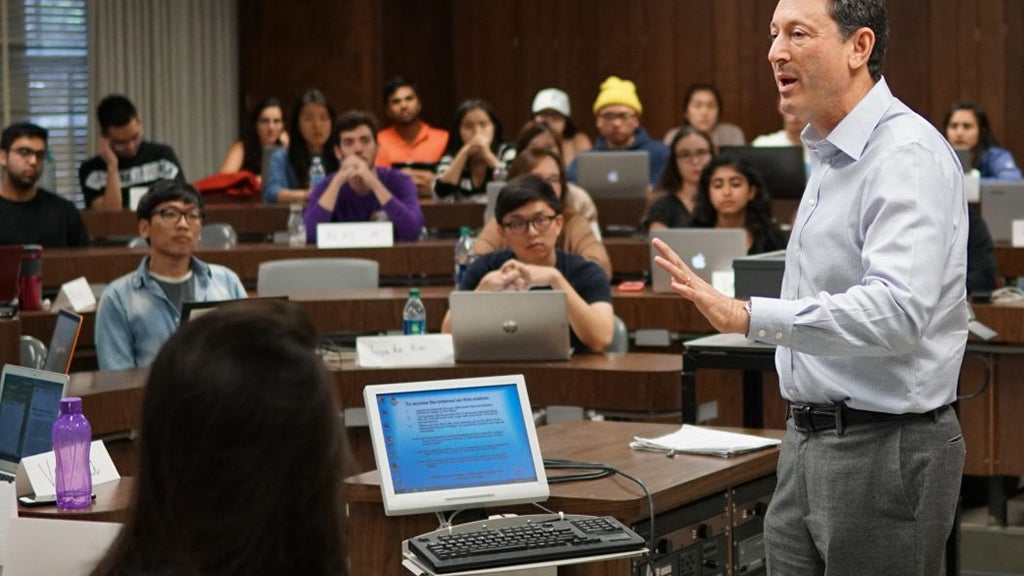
618	111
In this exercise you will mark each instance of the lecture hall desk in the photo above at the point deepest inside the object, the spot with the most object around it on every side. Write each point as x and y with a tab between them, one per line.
258	221
375	539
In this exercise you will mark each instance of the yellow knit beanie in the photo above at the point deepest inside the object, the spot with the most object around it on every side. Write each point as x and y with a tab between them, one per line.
615	90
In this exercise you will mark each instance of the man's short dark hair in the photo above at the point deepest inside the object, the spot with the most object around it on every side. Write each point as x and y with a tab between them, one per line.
115	111
850	15
21	130
353	119
168	191
521	191
394	84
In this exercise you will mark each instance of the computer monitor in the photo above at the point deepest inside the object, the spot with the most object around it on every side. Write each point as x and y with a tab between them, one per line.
781	167
455	444
193	310
63	342
29	404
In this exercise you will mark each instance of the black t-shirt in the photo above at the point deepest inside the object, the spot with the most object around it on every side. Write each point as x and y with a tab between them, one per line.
153	162
46	219
586	278
669	211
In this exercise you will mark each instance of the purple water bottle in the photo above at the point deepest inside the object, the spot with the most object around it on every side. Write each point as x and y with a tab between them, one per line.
72	437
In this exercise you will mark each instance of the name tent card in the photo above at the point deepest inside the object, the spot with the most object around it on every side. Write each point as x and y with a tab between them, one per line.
76	295
355	235
41	471
1017	237
403	351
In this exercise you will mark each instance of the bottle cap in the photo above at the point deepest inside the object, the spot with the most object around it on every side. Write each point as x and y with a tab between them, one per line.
414	292
464	230
71	405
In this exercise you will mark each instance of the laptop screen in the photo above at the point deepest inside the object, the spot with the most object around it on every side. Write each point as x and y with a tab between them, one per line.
63	342
781	167
447	445
29	404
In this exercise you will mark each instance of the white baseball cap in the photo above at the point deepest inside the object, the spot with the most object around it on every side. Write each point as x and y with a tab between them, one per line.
551	99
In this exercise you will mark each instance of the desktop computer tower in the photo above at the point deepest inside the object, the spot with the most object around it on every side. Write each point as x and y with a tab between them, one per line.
747	505
692	540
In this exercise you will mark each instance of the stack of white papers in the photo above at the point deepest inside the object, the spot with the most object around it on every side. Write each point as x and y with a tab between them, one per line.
698	440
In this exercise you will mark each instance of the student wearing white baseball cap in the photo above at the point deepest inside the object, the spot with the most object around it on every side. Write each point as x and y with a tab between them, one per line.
551	106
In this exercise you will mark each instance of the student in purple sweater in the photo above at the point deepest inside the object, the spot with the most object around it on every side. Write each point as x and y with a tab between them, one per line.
358	192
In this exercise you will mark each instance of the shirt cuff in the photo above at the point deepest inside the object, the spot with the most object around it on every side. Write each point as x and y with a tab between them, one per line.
771	320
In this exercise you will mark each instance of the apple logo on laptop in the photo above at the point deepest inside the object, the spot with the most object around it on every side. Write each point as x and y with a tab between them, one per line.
509	326
699	261
613	176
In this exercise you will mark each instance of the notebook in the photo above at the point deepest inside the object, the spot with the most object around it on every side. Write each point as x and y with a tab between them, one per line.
781	167
510	326
454	444
29	404
63	342
614	175
1001	204
705	250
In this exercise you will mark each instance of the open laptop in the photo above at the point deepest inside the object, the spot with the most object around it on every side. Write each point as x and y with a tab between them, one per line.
614	175
510	326
29	405
705	250
193	310
781	167
1001	204
63	342
454	444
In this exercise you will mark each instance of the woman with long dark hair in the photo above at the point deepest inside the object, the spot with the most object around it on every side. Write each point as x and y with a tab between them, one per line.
676	192
241	453
310	153
476	148
731	194
967	127
265	130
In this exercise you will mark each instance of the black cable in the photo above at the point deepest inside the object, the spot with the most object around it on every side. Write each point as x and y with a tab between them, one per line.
606	470
987	361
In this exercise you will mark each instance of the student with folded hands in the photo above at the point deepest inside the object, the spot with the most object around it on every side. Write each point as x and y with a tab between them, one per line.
530	217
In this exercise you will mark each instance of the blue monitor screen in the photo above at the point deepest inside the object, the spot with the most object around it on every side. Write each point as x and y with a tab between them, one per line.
455	438
28	409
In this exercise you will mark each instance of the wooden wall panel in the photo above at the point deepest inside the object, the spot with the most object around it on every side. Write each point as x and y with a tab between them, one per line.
505	50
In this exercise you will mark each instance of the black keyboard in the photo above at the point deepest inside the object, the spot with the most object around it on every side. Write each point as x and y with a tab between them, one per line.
499	542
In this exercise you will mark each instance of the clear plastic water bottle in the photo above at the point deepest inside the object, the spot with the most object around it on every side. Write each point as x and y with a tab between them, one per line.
72	437
296	227
500	173
316	171
414	316
464	255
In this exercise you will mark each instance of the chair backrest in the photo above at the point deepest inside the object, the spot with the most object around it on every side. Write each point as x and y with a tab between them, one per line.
33	352
217	235
138	242
284	277
620	337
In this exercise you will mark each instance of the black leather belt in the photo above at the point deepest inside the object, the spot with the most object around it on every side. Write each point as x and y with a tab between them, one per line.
819	417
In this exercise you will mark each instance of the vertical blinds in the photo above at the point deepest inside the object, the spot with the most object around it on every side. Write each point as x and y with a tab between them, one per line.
46	79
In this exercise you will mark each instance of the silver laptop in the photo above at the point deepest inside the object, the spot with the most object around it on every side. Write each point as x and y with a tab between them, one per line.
29	404
1001	204
614	175
504	326
705	250
964	155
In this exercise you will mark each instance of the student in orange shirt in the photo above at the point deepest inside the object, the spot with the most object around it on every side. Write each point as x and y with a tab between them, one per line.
409	144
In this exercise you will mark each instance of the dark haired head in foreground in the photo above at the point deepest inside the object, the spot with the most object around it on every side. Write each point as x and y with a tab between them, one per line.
240	453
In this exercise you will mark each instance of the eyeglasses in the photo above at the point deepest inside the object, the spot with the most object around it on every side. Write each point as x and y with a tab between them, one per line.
613	116
26	152
540	223
700	155
172	216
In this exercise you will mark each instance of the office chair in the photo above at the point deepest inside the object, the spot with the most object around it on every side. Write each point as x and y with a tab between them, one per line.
217	235
620	337
33	352
286	277
138	242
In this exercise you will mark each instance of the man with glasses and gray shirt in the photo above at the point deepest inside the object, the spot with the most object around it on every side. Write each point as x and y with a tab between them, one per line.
139	311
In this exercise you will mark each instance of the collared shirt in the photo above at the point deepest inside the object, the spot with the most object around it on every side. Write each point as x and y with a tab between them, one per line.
427	148
135	317
873	298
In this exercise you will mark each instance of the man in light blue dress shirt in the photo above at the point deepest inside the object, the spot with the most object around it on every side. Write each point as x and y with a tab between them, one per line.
872	322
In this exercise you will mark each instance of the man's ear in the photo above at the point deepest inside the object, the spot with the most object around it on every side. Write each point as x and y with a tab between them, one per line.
862	43
337	152
3	158
144	229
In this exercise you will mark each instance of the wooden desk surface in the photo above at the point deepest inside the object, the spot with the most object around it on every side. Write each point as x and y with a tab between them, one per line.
256	219
375	540
111	505
1009	260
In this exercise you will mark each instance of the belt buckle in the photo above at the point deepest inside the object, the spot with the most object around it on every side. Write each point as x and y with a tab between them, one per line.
801	414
